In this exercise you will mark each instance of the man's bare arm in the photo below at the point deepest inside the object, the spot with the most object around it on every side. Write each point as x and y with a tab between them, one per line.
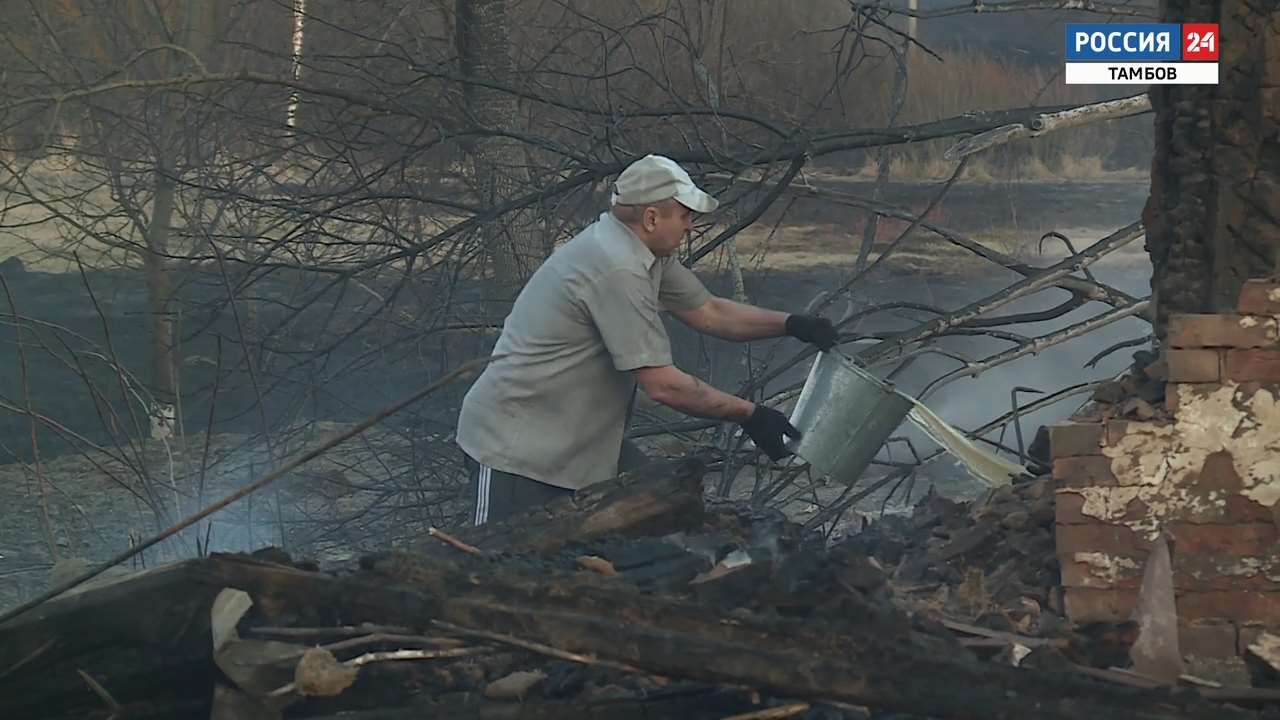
730	320
681	391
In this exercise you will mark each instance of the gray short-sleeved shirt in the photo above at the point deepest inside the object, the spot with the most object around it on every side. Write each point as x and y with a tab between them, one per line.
555	408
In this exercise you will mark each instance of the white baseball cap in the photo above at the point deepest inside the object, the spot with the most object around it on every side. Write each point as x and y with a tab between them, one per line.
654	178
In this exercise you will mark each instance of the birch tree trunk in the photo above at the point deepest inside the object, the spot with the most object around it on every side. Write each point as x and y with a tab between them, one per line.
296	44
160	292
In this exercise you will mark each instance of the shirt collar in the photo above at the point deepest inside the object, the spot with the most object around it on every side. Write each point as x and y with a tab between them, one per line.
630	240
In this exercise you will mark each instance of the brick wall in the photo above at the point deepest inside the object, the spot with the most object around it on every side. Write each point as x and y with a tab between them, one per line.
1207	470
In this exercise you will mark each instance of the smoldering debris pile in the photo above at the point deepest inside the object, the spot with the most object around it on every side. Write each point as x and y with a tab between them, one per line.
989	561
635	600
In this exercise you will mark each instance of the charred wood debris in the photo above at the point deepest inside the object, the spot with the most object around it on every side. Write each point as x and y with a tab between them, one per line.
639	598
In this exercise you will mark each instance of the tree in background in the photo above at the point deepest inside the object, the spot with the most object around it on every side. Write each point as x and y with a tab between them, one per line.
320	229
134	148
499	161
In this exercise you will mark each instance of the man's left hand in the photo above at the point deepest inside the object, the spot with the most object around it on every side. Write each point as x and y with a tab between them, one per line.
814	330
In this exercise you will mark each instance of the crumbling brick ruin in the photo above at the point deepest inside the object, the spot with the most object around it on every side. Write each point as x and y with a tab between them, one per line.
1207	471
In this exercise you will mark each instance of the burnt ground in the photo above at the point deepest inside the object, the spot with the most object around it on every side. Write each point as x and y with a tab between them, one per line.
373	496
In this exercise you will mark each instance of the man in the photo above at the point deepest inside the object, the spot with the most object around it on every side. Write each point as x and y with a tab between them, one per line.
549	417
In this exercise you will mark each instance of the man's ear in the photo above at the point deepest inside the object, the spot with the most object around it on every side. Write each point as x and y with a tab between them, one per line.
649	220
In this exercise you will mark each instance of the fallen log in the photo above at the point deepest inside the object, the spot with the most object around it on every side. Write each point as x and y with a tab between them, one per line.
662	497
606	619
144	638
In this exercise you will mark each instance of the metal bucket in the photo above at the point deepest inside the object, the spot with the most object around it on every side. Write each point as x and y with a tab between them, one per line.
844	414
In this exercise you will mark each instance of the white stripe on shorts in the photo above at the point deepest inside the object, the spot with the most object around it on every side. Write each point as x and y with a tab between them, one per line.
482	494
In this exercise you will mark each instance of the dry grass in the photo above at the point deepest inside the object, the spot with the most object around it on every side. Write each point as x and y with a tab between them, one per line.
970	79
28	233
33	231
810	246
923	166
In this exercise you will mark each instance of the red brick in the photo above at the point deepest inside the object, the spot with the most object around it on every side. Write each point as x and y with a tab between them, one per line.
1136	511
1245	391
1207	639
1116	430
1255	539
1190	575
1260	297
1240	509
1158	370
1068	509
1235	605
1213	582
1085	471
1093	604
1244	365
1199	573
1225	331
1194	365
1099	537
1070	439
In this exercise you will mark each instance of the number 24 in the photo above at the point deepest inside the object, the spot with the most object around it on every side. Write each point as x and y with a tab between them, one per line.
1196	43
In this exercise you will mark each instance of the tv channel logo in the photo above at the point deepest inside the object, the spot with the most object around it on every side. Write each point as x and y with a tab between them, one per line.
1142	54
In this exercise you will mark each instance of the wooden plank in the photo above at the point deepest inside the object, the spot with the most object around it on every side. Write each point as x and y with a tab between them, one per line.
1001	637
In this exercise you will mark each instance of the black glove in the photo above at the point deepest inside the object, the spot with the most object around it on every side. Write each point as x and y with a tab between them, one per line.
766	427
813	329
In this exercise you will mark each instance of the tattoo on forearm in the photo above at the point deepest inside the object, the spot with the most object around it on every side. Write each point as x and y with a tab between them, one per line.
704	400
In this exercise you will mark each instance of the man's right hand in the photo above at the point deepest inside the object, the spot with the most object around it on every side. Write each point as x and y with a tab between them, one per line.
766	428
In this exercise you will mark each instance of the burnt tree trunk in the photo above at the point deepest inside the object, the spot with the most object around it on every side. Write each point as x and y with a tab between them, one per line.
1212	219
145	638
500	171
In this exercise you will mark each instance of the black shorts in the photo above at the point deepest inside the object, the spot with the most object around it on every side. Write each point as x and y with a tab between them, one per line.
497	495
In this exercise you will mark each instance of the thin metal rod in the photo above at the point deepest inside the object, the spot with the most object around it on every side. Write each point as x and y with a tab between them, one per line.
1017	421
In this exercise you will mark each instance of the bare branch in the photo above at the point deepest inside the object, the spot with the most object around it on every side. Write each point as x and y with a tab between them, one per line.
1050	122
1024	287
1039	344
